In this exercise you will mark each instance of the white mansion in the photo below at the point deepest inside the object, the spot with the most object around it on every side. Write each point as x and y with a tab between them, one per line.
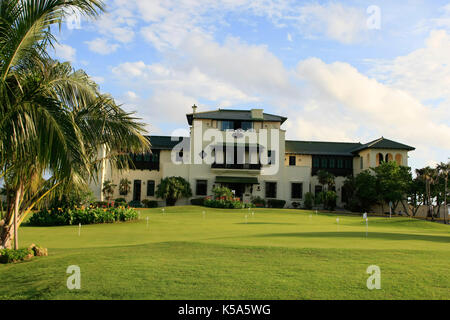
246	151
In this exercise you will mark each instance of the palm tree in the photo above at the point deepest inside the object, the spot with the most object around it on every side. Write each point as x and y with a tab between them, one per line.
429	177
53	118
124	186
444	169
108	189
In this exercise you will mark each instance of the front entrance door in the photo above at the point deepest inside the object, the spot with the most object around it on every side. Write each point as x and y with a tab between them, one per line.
238	189
137	190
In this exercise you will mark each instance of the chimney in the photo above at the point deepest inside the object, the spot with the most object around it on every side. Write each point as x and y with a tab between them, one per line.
194	109
257	114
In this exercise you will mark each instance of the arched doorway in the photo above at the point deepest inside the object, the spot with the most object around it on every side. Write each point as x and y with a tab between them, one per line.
380	159
389	157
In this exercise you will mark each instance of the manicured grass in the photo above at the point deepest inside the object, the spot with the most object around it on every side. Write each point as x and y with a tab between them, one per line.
273	254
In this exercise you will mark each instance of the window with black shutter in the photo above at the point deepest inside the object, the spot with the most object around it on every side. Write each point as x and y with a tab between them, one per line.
150	188
292	160
201	187
271	189
296	191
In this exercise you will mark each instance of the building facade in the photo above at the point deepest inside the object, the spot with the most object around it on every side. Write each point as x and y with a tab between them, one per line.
246	150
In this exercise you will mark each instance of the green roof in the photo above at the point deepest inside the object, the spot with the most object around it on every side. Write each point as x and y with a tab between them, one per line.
341	148
383	143
164	142
246	180
302	147
228	114
321	148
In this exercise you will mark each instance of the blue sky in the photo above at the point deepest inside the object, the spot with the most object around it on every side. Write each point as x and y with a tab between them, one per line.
340	71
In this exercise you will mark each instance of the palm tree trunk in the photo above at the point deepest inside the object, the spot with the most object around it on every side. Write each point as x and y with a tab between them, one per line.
445	199
16	216
6	231
6	234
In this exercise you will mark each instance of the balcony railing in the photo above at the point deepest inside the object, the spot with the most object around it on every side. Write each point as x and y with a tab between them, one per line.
245	166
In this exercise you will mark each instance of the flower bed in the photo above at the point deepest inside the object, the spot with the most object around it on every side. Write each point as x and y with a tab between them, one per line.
83	215
225	203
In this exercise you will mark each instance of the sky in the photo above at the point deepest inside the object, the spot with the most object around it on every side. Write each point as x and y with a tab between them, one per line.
340	71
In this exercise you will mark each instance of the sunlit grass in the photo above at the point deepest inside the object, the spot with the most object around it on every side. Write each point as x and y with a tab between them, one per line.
237	254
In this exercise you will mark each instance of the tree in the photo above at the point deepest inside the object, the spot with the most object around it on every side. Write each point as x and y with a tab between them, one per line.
429	177
124	186
108	189
173	188
360	192
53	119
392	182
330	198
309	200
326	178
443	171
416	194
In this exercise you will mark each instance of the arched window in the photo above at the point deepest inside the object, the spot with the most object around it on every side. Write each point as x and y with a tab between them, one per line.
399	159
389	157
380	159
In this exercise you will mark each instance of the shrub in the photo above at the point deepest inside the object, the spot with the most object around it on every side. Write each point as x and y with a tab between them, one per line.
11	256
150	203
330	198
319	198
198	202
135	204
309	200
120	202
72	199
259	202
173	188
51	217
222	192
100	204
90	215
124	187
275	203
230	203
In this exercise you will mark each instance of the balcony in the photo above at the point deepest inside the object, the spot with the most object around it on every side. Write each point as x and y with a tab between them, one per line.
244	166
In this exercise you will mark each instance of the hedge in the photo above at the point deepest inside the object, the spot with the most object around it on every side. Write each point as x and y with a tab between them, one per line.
198	202
275	203
150	203
91	215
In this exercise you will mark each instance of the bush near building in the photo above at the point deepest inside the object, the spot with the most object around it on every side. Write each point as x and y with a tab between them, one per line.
259	202
150	203
88	215
276	203
198	201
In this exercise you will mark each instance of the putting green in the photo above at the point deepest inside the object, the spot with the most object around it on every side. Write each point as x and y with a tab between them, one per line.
203	253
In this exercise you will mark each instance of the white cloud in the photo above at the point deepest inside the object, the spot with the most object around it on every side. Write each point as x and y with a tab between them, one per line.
98	79
424	73
168	22
323	101
65	52
102	46
336	21
391	112
131	96
289	37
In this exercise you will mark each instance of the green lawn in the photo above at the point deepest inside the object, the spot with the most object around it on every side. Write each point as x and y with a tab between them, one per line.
273	254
